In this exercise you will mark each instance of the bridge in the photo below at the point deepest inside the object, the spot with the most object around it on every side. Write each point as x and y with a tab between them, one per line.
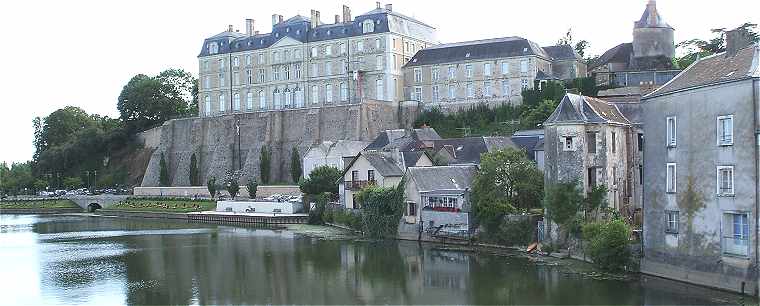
91	203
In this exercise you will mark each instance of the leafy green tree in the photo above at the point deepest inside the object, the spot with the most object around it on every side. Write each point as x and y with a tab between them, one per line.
253	186
163	177
194	175
608	244
265	164
73	182
146	102
536	116
382	209
568	40
322	179
232	184
595	200
563	201
507	181
211	186
296	170
40	185
696	48
17	179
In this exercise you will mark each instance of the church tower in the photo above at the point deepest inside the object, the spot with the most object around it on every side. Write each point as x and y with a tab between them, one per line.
653	45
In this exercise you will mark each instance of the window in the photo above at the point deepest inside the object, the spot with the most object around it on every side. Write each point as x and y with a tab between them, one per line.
288	98
328	50
379	62
487	69
249	101
207	82
418	93
505	88
261	58
275	73
726	130
213	48
452	72
671	132
299	97
524	66
525	84
411	209
328	93
262	76
275	57
591	142
207	105
417	75
354	175
641	174
725	179
395	62
236	62
343	91
371	175
735	233
470	90
286	72
504	67
314	69
248	60
368	26
591	177
205	66
436	95
222	103
314	94
452	92
406	46
670	178
236	102
222	82
328	68
568	145
360	46
235	78
671	227
614	142
297	53
640	142
377	43
468	68
343	67
296	71
285	55
313	51
276	98
379	89
249	76
262	100
487	88
342	49
434	74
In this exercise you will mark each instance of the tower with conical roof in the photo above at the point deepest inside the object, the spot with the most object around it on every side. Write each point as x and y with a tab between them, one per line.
653	44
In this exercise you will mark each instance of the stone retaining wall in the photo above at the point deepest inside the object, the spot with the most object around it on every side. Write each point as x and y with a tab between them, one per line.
202	192
40	211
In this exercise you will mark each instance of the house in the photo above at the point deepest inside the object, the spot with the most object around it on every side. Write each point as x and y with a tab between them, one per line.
701	170
467	151
404	139
437	201
331	153
381	168
532	142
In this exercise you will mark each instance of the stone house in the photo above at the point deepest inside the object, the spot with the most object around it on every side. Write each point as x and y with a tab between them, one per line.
701	170
331	153
437	201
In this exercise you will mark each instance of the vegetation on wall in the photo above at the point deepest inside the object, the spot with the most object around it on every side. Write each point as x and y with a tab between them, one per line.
563	201
195	179
296	171
163	177
382	209
265	164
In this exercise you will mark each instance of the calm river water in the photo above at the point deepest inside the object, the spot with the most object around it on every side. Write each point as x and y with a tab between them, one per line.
110	261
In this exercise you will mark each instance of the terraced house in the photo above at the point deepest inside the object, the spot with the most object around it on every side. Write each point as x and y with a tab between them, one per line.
492	71
304	62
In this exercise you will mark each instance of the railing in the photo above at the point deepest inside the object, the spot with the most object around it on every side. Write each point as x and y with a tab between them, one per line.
358	185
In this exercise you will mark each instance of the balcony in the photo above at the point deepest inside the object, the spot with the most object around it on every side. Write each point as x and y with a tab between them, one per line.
358	185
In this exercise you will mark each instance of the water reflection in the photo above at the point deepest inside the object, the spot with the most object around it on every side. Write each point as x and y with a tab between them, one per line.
92	260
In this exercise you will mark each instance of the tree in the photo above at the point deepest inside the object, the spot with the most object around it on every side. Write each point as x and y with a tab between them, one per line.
568	40
696	48
507	181
40	185
536	116
211	186
252	188
296	171
608	244
146	102
265	164
232	183
194	175
322	179
163	178
382	209
72	182
563	201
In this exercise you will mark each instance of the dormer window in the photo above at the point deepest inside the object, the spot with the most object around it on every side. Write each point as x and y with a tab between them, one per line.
276	34
368	26
329	32
261	42
213	48
287	30
467	55
298	32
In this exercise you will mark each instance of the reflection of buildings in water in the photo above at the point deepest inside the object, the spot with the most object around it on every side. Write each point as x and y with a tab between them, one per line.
446	269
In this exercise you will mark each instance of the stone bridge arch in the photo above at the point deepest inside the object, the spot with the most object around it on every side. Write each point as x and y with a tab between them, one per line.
91	203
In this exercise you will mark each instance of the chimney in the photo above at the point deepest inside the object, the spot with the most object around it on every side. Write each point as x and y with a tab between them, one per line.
256	32
249	27
346	13
274	19
337	18
389	7
736	40
652	8
279	19
314	19
318	22
229	28
378	4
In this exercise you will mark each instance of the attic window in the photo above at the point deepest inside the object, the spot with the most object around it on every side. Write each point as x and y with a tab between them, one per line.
315	33
730	74
414	60
329	32
276	34
345	31
467	55
298	32
378	21
525	49
250	43
237	45
261	42
287	30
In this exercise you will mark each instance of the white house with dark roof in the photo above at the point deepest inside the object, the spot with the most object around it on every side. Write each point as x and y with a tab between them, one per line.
331	153
701	168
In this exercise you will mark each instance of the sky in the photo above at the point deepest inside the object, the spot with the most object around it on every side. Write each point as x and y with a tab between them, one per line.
81	53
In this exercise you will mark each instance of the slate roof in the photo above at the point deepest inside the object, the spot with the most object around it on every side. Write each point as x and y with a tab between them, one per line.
581	109
340	148
715	69
468	150
476	50
403	139
533	132
411	158
454	178
562	52
617	54
651	18
384	165
528	144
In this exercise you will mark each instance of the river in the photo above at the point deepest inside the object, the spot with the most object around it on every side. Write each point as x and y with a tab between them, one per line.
46	260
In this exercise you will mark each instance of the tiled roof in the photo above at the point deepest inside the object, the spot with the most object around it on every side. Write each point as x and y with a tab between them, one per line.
582	109
715	69
476	50
453	178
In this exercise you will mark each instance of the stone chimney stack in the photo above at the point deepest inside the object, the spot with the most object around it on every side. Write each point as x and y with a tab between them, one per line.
249	27
378	4
230	29
337	18
389	7
279	19
736	40
274	19
346	13
652	8
314	18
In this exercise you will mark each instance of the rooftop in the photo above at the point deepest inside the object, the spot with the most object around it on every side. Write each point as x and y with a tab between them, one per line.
581	109
477	50
453	178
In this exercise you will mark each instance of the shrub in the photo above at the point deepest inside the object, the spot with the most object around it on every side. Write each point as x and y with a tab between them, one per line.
194	178
296	171
316	214
382	209
518	232
253	186
211	186
608	244
232	186
163	176
322	179
265	164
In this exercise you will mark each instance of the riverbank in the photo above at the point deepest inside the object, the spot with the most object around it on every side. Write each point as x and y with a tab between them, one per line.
39	206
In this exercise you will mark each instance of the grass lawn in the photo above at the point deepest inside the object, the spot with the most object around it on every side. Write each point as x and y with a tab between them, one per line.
164	205
37	204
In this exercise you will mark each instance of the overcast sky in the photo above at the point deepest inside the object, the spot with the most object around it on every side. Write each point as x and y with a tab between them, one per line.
81	53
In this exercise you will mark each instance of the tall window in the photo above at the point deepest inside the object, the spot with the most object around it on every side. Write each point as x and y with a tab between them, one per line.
418	93
371	175
671	226
452	92
525	84
434	74
671	131
343	91
261	58
206	82
417	75
297	71
726	130
468	69
275	73
297	53
276	98
221	64
487	88
504	67
614	142
377	43
524	66
436	94
222	82
207	105
288	98
505	88
379	62
670	178
725	179
262	76
360	46
314	69
222	103
249	76
328	50
591	142
342	49
299	97
236	102
249	100
236	62
262	100
285	55
286	72
368	26
343	67
328	93
275	57
487	69
735	233
452	72
328	68
248	60
313	51
379	89
314	94
235	78
395	62
470	90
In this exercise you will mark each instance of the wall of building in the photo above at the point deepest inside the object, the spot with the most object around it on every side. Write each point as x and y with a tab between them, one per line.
695	254
653	42
202	191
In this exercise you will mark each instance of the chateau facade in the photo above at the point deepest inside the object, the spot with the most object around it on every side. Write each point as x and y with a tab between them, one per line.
304	62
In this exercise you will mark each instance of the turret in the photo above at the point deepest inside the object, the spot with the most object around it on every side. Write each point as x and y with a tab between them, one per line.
653	44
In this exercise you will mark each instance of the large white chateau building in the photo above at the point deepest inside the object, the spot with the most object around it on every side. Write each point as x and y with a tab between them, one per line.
304	62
